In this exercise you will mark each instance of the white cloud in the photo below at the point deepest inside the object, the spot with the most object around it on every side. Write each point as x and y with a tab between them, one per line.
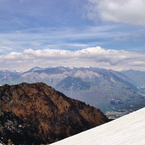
66	38
5	48
89	57
57	38
126	11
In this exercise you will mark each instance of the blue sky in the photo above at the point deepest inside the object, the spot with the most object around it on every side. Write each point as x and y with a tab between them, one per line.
81	33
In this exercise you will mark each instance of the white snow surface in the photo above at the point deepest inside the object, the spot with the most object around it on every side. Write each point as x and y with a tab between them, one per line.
126	130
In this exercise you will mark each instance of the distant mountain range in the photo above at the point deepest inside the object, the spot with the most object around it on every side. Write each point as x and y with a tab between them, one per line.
115	93
38	114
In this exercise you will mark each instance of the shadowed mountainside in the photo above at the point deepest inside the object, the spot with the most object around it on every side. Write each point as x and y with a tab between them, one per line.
36	113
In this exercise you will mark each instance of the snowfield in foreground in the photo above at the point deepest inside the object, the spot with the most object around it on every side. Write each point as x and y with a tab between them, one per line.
127	130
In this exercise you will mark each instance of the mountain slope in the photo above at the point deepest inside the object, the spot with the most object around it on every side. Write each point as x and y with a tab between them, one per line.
138	78
111	91
127	130
36	113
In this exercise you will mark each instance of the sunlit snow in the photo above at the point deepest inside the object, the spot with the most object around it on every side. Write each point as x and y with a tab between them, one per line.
127	130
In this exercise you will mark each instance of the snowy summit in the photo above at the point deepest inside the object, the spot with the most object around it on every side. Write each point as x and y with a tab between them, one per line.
127	130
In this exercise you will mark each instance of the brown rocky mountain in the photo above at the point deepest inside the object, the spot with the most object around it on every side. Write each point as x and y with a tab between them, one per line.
36	113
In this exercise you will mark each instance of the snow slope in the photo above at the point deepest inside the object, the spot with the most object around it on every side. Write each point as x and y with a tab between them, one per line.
126	130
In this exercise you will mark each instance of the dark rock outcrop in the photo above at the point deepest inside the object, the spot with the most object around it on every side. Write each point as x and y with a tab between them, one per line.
36	113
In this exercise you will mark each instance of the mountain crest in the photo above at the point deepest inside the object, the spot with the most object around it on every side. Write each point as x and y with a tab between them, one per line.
37	113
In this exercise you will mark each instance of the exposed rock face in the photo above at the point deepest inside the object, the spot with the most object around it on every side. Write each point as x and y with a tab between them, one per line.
36	113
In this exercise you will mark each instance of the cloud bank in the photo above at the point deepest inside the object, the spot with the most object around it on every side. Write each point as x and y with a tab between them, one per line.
89	57
126	11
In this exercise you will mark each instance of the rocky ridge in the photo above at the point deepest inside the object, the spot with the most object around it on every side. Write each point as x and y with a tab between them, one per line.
37	113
